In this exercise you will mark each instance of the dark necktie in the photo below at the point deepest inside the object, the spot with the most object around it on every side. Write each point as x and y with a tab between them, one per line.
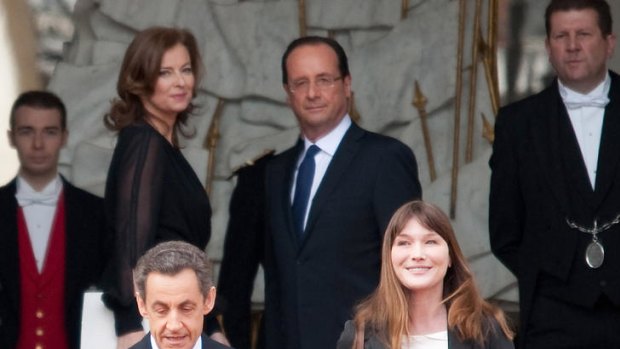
305	175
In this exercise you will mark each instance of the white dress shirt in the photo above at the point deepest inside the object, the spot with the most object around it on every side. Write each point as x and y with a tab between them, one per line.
586	113
328	145
39	210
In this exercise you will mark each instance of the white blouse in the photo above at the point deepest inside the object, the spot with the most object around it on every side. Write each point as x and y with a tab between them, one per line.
437	340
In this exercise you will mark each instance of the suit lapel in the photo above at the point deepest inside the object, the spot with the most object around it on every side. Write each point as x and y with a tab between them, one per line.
73	225
9	253
345	153
545	131
609	149
287	171
144	343
570	152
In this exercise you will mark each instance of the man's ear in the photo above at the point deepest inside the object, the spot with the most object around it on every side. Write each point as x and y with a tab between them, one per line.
347	86
9	135
141	306
288	94
65	136
209	301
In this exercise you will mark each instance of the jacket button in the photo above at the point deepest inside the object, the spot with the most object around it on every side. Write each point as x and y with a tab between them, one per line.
603	283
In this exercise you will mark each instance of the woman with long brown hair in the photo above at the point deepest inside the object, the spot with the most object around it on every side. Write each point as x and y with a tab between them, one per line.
427	297
152	192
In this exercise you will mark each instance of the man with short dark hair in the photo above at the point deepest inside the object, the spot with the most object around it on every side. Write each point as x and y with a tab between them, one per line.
329	200
174	290
52	238
555	193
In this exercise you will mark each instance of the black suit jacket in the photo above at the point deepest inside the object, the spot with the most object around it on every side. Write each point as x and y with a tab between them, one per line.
207	343
312	284
494	340
539	180
85	258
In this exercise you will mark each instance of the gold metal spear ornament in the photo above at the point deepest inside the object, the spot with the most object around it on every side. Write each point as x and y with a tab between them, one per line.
457	109
489	75
489	55
487	129
301	5
419	102
404	9
492	42
473	82
213	135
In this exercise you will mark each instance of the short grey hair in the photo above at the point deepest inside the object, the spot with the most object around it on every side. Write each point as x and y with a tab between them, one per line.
170	258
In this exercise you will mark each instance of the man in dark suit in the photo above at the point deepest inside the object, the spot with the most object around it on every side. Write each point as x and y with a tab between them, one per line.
329	199
51	236
174	291
555	193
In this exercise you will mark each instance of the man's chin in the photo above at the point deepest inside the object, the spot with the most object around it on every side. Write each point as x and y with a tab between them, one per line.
175	343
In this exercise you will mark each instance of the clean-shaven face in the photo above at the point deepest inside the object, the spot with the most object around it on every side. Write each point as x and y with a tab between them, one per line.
174	87
38	138
175	308
420	258
318	110
577	49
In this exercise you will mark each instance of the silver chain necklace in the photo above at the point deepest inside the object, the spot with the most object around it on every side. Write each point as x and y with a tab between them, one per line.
595	252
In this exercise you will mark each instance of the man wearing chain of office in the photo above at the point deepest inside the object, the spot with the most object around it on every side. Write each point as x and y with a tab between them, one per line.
555	187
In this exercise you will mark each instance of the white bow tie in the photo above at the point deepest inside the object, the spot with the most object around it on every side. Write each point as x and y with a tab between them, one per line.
28	199
574	102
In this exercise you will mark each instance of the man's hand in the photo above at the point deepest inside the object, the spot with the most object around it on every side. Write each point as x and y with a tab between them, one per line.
127	340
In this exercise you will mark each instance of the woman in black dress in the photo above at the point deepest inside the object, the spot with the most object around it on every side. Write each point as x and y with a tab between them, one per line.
152	193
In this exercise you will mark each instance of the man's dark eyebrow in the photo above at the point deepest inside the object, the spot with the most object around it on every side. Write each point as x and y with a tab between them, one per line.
187	302
158	303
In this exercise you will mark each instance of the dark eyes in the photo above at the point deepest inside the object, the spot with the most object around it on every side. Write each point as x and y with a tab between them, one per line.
565	35
168	72
406	242
29	131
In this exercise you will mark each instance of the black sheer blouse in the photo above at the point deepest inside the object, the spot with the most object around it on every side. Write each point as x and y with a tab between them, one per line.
152	195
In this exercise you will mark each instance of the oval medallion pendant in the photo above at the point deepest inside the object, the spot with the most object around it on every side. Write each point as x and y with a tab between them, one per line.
595	254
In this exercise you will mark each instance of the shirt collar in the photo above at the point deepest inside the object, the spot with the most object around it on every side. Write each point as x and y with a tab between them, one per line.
329	143
54	187
601	91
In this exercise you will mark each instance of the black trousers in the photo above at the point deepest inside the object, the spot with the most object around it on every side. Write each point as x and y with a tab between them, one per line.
554	323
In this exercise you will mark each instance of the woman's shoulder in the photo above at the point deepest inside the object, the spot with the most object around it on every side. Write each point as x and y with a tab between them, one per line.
140	133
496	337
347	338
137	129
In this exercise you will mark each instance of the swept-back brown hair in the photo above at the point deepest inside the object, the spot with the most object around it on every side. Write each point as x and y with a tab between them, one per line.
601	7
385	312
139	73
